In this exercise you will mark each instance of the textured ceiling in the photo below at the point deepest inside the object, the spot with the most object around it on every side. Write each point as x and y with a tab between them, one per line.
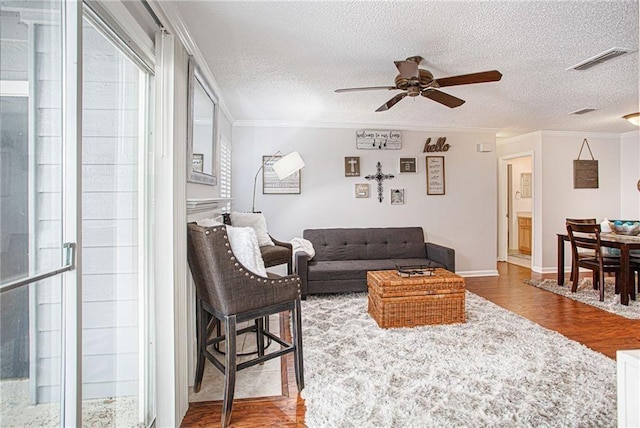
282	61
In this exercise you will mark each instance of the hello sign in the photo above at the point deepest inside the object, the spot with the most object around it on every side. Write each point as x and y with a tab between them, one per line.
438	146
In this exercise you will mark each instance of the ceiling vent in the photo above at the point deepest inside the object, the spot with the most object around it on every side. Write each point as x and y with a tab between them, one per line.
583	111
601	58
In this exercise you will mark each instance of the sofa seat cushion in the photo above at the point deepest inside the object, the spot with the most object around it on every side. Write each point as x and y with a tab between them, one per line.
357	269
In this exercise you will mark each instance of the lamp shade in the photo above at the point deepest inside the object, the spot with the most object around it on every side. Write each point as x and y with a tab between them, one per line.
288	165
633	118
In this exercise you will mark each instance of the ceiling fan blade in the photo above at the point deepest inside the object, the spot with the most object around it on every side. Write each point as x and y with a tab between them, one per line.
467	79
407	69
369	88
442	98
393	101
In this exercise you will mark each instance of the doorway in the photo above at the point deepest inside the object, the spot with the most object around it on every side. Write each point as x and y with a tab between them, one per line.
519	209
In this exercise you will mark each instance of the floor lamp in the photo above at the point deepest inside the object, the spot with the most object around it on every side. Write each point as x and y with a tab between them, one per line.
283	168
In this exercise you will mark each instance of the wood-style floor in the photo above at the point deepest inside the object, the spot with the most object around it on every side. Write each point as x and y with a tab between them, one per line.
597	329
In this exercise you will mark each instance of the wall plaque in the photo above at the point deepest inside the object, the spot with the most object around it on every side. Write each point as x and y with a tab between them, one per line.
377	139
352	166
435	175
585	172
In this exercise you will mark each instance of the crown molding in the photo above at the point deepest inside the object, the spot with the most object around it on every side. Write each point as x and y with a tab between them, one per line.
573	134
174	23
338	125
635	133
579	134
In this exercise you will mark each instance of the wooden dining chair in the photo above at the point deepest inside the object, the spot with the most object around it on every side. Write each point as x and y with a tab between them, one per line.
586	238
574	269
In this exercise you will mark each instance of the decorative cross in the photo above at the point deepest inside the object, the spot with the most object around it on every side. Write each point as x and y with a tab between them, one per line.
353	163
379	177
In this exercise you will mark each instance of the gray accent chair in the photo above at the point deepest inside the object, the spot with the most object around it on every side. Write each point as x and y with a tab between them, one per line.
226	292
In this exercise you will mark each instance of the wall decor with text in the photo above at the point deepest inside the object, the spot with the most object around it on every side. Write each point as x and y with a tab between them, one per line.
408	165
352	166
439	146
362	190
585	172
435	175
377	139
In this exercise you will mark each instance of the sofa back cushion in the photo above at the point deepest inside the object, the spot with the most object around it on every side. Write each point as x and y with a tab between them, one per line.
367	243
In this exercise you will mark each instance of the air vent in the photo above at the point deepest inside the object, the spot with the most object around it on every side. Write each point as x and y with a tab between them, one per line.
607	55
583	111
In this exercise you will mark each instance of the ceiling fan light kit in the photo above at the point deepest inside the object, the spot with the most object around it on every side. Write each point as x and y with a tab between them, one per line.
634	118
416	81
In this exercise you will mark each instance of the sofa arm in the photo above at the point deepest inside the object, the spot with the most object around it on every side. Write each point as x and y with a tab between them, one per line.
302	266
440	254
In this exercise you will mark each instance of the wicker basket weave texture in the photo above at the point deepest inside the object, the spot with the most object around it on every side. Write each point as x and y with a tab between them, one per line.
395	301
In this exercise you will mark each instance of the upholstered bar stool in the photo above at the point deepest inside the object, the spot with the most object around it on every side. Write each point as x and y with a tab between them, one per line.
228	292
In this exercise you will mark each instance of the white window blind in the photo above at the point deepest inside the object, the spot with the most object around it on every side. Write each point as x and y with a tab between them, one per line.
225	172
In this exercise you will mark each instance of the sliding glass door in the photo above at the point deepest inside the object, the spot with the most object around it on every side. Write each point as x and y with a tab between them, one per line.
32	260
114	243
75	305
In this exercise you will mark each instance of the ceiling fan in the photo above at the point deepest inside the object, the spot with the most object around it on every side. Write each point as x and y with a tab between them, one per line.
416	81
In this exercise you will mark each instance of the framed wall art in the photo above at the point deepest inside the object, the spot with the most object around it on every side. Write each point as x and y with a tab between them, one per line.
435	175
362	190
352	166
408	165
272	185
397	196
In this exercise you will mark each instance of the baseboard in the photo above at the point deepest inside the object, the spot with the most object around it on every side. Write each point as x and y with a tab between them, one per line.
554	269
474	273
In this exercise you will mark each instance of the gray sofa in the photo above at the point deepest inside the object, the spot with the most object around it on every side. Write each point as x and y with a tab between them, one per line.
343	256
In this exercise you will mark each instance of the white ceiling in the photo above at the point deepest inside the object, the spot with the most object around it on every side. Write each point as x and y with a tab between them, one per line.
282	61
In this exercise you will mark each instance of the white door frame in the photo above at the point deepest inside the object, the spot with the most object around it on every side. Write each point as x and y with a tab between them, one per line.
503	225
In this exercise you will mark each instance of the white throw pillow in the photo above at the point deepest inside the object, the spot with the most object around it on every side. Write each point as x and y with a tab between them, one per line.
244	245
257	222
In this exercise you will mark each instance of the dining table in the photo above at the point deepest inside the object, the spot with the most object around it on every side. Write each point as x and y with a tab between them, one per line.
625	243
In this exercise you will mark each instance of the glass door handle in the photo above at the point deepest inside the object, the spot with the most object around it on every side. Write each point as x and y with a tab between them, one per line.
69	249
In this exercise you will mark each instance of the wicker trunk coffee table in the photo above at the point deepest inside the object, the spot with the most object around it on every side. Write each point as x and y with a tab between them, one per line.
396	301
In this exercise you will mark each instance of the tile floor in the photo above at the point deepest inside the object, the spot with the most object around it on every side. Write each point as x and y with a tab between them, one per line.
256	381
517	258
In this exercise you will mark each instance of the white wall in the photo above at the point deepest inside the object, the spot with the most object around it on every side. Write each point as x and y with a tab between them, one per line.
560	200
555	199
630	175
463	218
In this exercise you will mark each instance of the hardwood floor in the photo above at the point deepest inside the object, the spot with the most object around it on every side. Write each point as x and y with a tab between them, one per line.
597	329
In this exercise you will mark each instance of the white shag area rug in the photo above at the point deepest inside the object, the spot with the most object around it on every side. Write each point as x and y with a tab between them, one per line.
497	369
586	294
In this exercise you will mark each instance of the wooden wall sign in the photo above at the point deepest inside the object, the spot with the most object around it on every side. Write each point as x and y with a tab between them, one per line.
376	139
585	172
352	166
435	175
408	165
438	146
